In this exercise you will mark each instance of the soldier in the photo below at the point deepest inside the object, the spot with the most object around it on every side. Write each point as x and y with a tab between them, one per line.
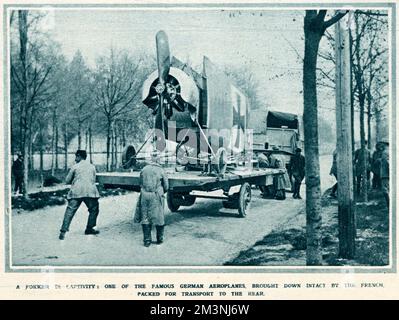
82	176
281	181
150	205
18	172
334	172
358	158
384	172
376	165
297	167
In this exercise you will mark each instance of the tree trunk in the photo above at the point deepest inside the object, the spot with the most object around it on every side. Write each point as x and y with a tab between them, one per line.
363	147
66	147
56	145
41	167
86	141
115	148
90	145
53	144
112	149
312	170
352	93
346	216
79	134
377	125
23	41
108	143
123	137
361	98
30	156
369	115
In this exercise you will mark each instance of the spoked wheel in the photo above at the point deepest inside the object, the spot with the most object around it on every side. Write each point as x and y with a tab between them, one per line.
129	157
244	200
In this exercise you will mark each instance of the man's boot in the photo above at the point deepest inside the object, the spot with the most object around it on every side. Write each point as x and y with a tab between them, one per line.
160	230
147	234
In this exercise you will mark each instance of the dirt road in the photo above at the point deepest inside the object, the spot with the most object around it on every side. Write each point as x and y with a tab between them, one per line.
204	234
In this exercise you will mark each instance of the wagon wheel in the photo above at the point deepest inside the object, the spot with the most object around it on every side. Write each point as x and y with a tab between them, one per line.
173	202
129	157
244	199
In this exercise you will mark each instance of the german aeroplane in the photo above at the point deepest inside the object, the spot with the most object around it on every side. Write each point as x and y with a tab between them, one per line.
187	106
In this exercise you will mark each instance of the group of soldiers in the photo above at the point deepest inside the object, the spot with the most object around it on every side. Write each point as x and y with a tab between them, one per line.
376	163
291	179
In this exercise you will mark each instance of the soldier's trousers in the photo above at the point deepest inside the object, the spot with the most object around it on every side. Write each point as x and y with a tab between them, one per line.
73	206
18	184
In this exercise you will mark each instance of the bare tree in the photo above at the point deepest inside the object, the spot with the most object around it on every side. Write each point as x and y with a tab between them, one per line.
368	70
314	28
367	65
29	81
118	83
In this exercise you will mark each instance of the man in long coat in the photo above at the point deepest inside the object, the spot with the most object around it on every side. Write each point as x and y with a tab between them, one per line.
281	182
82	176
150	205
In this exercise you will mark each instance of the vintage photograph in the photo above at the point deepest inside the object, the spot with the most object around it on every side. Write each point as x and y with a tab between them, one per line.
203	135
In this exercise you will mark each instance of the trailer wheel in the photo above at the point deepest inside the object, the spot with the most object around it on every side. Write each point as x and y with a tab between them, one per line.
188	200
244	199
173	202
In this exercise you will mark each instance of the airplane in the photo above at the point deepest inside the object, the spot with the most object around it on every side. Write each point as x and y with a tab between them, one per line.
185	103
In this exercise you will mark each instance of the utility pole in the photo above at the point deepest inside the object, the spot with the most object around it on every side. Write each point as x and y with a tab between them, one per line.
346	213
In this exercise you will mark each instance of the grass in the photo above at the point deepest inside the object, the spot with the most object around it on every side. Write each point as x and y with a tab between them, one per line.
372	240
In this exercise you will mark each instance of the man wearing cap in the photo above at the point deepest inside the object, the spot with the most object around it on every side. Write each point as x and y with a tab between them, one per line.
150	205
297	167
18	172
82	176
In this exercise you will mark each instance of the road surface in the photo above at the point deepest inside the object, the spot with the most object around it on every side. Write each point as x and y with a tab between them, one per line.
205	234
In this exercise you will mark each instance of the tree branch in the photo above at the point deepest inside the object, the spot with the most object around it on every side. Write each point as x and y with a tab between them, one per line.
334	19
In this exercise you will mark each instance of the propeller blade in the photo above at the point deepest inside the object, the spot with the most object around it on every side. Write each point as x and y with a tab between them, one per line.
163	56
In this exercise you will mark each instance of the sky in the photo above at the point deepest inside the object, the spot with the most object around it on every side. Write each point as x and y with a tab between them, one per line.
269	42
262	41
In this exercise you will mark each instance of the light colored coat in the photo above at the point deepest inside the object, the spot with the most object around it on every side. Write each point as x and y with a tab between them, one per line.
150	205
82	176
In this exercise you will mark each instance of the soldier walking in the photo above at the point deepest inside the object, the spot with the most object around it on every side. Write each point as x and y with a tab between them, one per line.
150	205
82	176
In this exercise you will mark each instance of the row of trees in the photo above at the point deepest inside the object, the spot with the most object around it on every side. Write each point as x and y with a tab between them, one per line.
368	60
54	100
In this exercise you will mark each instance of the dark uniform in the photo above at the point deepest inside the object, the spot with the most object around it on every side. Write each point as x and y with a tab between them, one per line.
297	168
334	172
384	175
376	165
18	172
359	155
150	205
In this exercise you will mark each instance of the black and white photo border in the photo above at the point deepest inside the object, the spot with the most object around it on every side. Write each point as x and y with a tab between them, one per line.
391	7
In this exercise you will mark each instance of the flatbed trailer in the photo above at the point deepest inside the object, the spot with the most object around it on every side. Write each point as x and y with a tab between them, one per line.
186	186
